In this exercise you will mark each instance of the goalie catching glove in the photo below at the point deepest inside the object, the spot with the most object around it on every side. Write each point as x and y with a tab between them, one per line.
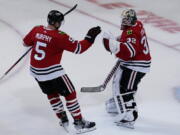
110	43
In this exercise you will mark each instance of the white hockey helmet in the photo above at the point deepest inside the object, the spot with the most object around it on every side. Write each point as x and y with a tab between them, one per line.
128	17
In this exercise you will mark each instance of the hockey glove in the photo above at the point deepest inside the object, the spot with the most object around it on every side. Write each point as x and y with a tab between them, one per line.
106	36
92	33
106	44
111	45
109	35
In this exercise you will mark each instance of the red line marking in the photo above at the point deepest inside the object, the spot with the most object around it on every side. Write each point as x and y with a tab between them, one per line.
164	44
22	65
176	45
110	23
84	13
12	27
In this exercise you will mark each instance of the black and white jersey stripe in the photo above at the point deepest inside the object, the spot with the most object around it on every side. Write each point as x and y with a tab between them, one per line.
48	73
78	49
45	71
131	49
137	65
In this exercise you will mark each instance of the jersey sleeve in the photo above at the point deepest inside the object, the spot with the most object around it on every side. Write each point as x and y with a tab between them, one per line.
65	42
128	46
28	39
124	52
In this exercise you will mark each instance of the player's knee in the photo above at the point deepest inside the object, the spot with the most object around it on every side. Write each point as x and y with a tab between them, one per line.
123	89
70	96
52	95
128	96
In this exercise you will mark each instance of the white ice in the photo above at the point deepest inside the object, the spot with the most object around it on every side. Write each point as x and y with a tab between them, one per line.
24	110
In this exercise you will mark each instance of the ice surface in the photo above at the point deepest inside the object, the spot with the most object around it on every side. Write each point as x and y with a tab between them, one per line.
26	111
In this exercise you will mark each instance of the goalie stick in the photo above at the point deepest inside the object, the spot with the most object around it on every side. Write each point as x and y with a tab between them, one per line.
102	86
30	49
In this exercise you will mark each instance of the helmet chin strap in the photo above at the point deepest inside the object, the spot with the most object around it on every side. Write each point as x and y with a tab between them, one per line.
123	27
53	26
57	25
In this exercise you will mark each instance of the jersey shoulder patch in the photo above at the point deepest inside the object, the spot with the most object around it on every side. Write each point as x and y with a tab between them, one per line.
129	32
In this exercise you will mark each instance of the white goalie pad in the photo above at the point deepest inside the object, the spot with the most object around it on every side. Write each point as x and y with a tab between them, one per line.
112	109
111	106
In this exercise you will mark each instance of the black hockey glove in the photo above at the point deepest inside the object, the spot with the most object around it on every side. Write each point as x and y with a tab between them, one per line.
92	33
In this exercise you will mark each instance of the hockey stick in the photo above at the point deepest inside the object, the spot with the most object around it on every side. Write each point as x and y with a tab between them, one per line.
30	49
15	63
103	86
70	10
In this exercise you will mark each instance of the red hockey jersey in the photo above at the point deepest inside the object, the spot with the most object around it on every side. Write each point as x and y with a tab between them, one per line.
132	48
47	49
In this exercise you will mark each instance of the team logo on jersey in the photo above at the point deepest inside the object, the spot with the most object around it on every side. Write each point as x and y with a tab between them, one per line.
129	32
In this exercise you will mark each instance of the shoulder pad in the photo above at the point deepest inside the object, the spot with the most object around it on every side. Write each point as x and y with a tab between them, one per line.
129	32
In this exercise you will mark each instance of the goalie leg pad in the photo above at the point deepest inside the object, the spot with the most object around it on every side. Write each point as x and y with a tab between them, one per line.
111	107
130	106
117	95
125	85
128	110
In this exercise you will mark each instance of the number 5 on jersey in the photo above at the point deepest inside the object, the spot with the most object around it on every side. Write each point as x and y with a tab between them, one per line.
40	53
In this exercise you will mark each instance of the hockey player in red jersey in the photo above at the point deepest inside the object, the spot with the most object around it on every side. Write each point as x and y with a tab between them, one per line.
48	44
132	50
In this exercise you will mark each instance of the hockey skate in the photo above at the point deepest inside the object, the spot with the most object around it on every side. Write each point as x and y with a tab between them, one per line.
64	122
129	120
127	124
83	126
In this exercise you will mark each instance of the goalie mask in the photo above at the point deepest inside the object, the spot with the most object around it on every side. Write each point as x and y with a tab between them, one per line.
55	16
128	18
